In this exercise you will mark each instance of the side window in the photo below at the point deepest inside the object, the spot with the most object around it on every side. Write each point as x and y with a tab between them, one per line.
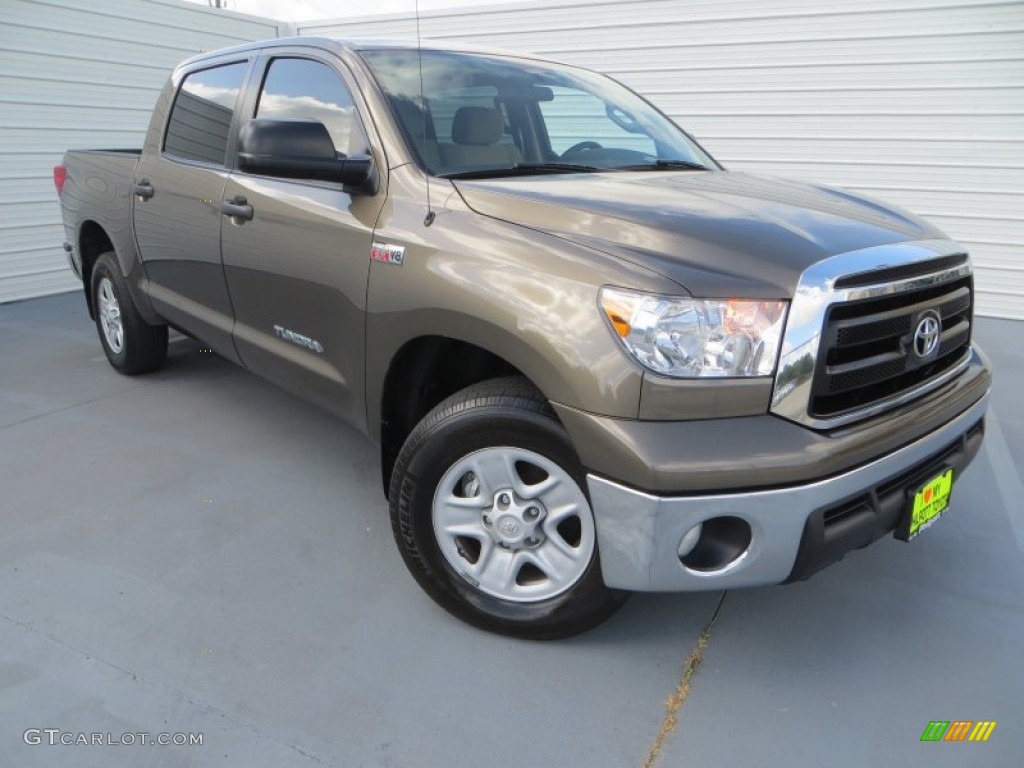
300	88
201	116
574	116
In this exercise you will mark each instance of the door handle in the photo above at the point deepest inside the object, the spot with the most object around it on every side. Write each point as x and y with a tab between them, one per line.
237	208
143	190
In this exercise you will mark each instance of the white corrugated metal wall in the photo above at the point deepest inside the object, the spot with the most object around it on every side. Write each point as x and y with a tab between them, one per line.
920	102
80	74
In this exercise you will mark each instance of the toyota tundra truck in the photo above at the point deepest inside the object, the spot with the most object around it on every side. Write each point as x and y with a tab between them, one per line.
594	360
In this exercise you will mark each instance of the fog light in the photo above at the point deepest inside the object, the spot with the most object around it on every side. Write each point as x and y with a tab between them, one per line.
689	540
720	543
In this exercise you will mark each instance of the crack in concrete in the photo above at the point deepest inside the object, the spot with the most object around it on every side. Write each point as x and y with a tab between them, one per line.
44	414
674	703
137	678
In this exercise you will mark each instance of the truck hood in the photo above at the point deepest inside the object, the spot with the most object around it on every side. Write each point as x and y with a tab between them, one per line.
715	233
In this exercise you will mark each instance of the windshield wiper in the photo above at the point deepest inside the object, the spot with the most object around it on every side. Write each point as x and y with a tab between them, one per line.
574	167
522	169
658	165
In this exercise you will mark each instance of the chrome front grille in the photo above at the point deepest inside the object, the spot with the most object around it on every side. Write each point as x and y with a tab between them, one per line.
868	351
848	351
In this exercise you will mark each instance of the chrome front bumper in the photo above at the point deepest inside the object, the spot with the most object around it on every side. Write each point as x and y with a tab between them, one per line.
639	534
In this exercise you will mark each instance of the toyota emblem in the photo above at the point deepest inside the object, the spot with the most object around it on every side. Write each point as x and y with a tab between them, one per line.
926	336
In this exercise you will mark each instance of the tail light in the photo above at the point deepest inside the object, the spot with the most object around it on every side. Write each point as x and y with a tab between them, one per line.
60	175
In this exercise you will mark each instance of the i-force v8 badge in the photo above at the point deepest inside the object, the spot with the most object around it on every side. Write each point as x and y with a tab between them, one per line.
389	254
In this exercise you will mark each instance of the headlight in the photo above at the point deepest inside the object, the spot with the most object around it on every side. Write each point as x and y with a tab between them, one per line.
692	338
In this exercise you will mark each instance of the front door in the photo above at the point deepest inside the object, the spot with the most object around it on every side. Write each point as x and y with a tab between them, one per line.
297	269
178	187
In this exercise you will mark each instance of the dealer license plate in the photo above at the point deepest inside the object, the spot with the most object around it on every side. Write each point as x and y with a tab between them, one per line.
928	503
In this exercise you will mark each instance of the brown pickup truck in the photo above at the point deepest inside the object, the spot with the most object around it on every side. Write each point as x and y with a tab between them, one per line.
594	360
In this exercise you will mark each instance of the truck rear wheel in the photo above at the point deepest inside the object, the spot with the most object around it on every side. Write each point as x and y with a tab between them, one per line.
131	344
490	511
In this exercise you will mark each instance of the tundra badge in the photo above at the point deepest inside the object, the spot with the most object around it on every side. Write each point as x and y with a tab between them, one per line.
297	338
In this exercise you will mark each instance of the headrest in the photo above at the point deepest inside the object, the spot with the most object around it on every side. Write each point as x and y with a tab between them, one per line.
479	126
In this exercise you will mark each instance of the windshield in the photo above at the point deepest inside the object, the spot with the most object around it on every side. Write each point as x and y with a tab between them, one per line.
481	115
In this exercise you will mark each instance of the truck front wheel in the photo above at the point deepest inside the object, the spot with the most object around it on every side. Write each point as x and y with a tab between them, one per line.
131	344
490	511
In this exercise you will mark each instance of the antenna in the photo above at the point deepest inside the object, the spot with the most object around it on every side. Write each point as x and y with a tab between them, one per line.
423	111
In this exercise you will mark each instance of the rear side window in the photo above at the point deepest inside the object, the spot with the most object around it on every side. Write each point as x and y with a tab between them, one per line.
201	116
301	88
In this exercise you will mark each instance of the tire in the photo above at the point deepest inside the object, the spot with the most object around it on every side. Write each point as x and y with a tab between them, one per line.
490	512
131	344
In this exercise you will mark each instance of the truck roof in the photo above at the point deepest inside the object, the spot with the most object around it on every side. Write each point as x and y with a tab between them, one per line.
342	45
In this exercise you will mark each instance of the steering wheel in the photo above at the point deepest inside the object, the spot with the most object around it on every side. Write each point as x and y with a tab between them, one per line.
583	145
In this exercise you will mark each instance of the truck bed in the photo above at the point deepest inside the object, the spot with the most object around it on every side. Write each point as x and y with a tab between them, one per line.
98	188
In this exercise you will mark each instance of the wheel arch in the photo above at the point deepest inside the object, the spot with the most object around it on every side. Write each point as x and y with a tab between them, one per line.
93	240
424	371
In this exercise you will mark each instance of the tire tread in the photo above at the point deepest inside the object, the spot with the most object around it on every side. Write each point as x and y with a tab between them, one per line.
145	345
494	400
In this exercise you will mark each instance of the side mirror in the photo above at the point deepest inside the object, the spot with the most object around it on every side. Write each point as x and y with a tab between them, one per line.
301	149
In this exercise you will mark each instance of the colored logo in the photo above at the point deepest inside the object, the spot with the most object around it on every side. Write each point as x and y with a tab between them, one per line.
958	730
388	254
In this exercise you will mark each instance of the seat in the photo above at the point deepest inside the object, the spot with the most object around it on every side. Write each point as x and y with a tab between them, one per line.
477	141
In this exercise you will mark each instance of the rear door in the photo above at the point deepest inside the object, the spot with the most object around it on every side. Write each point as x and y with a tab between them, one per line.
177	212
297	270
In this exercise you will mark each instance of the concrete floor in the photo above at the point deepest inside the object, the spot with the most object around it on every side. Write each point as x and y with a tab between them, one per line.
197	551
